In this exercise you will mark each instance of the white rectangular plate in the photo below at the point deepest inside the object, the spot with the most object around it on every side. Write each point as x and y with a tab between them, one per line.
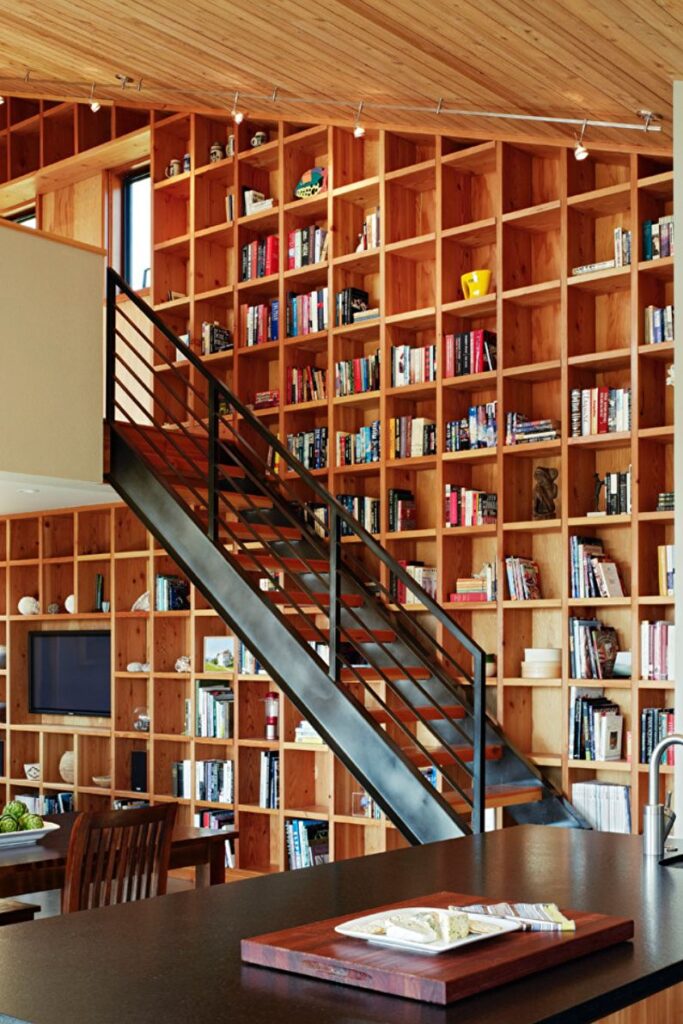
352	930
31	835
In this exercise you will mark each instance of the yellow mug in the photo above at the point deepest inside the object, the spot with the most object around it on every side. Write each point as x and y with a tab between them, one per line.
475	283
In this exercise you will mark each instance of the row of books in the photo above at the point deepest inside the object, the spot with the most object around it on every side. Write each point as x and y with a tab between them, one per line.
666	569
214	710
305	384
216	820
523	577
665	501
306	247
269	780
215	338
181	779
468	507
521	430
592	572
260	324
402	509
215	781
600	410
595	726
348	303
655	725
479	429
657	649
356	376
482	586
618	493
59	803
362	508
411	437
470	352
309	447
307	313
247	664
171	593
424	575
593	649
361	447
659	324
606	806
658	237
412	365
370	234
260	258
622	255
307	841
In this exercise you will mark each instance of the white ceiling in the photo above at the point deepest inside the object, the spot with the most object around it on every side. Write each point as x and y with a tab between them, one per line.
49	493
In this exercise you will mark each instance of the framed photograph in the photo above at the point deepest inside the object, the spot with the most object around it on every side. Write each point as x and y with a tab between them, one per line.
219	653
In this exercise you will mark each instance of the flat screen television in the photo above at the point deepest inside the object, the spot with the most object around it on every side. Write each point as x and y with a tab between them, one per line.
69	672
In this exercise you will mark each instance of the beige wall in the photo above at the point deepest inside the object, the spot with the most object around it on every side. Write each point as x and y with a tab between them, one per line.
51	370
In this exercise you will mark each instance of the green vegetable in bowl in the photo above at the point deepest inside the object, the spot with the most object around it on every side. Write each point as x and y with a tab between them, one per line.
16	809
29	821
8	824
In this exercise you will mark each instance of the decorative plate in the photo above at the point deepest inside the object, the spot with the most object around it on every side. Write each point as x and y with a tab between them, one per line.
28	837
357	929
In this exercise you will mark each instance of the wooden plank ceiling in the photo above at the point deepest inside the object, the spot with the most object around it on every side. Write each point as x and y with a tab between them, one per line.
600	59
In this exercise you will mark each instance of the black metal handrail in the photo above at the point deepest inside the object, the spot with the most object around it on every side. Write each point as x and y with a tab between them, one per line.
337	515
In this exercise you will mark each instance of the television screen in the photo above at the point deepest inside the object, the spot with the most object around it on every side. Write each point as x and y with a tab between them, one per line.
70	672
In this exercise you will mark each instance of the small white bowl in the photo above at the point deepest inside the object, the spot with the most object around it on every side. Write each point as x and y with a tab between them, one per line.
103	781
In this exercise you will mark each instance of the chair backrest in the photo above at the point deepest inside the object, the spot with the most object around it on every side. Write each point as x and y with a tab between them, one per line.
118	856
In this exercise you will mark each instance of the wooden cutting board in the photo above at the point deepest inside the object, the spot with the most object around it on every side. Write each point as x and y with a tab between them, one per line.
317	951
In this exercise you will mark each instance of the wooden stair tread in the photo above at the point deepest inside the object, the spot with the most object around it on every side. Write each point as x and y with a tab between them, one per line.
299	597
370	674
271	563
430	713
359	636
229	500
443	755
503	795
262	531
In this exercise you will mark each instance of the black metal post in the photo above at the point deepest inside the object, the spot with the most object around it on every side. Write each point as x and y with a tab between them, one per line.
110	350
335	593
213	450
479	742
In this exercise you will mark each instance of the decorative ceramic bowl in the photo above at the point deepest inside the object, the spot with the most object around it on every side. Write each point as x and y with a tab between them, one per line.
66	767
70	604
32	772
103	781
28	606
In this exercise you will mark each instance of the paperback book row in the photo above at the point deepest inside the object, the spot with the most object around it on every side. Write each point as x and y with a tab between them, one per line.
402	509
425	577
216	820
309	447
600	410
666	569
269	780
618	493
260	324
305	384
655	725
171	593
247	664
214	781
657	650
479	429
361	447
370	235
260	258
593	649
595	726
411	437
307	313
659	324
524	578
356	376
592	572
606	806
215	338
352	305
521	430
412	365
59	803
622	254
482	586
214	710
364	509
308	842
470	352
468	507
658	237
306	247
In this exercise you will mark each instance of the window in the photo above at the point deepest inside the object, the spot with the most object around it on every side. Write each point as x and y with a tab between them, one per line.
137	228
26	217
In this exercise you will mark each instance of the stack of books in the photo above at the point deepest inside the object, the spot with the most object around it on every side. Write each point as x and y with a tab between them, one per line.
306	247
348	302
666	569
524	578
215	781
592	572
362	508
622	254
309	447
255	202
214	704
260	258
357	376
306	384
479	429
172	593
600	410
363	446
606	806
261	323
305	733
411	437
425	577
541	663
655	725
659	324
520	430
412	365
665	501
658	237
307	313
307	842
402	509
480	587
215	338
468	507
370	236
470	352
362	315
593	649
269	780
595	726
267	399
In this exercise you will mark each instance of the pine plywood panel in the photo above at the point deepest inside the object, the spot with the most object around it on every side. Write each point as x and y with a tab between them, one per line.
76	211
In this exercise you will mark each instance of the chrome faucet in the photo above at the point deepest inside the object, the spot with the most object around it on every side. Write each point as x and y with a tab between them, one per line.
658	818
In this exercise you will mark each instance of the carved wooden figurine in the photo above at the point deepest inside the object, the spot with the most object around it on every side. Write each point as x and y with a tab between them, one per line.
545	492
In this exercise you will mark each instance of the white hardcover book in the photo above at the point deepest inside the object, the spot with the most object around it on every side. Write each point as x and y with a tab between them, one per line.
618	249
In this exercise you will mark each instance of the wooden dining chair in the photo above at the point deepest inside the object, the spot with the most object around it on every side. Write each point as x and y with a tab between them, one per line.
118	857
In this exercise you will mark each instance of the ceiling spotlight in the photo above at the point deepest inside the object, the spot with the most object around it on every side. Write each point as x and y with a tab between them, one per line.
580	151
358	129
94	105
2	100
237	115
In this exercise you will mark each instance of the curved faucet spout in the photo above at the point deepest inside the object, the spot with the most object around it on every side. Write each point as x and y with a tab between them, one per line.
655	758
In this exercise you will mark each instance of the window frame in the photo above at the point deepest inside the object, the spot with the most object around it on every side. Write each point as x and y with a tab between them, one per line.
127	180
21	216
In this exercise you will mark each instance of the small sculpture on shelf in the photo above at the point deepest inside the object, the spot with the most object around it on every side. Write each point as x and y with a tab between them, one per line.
599	484
141	719
545	492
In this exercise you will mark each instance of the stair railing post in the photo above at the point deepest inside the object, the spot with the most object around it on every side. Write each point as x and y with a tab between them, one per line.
335	594
110	354
479	743
213	449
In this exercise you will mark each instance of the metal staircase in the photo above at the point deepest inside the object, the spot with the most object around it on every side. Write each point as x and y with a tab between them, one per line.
300	581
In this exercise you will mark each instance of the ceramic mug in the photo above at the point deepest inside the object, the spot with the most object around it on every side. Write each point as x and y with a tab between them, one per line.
173	168
475	283
216	152
258	139
230	148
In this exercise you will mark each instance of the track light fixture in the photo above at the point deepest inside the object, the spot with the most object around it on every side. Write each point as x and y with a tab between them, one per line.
358	129
580	151
237	115
94	104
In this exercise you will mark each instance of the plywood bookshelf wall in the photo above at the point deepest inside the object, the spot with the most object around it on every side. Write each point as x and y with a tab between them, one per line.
529	213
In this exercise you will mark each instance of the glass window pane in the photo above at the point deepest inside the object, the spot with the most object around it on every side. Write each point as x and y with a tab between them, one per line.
27	218
137	229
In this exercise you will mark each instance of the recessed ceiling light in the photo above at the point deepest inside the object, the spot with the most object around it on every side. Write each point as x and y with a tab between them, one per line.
28	490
